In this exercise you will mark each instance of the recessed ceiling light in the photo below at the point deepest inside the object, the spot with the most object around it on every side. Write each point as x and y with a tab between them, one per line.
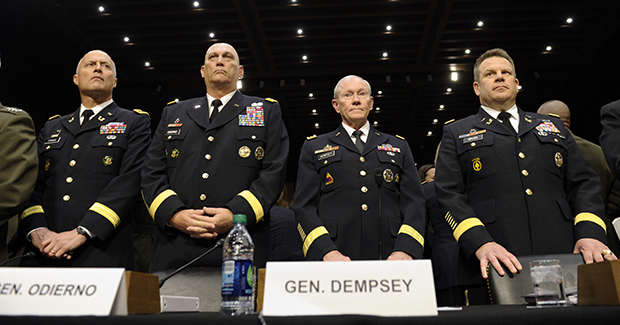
548	48
311	95
519	87
467	51
239	84
377	108
147	64
316	125
300	31
305	57
385	54
380	92
480	23
429	133
569	20
212	35
388	28
375	123
126	39
314	111
435	121
454	76
441	107
449	90
196	4
101	9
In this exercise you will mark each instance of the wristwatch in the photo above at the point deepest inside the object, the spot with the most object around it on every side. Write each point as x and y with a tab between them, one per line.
82	231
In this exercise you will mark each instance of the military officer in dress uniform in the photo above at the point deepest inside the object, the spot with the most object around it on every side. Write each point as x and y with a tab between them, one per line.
89	176
358	194
214	156
514	183
18	163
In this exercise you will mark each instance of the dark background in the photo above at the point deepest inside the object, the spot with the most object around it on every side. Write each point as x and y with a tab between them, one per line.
42	41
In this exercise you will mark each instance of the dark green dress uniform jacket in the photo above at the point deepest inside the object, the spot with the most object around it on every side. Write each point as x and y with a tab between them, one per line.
90	176
532	193
337	198
18	160
237	162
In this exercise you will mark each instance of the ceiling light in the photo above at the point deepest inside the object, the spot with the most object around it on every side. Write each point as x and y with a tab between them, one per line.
305	57
239	84
480	23
548	48
314	111
519	87
212	35
101	9
429	133
316	125
385	54
310	95
377	108
300	31
449	90
375	123
467	51
147	64
569	20
435	121
126	39
380	92
388	28
441	107
196	4
454	76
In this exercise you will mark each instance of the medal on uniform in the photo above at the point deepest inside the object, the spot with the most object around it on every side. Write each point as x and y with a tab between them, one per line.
107	160
388	175
254	115
244	152
259	152
328	179
559	160
47	165
476	164
174	154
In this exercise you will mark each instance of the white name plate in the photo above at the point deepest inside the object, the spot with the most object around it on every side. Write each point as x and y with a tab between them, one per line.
62	291
379	288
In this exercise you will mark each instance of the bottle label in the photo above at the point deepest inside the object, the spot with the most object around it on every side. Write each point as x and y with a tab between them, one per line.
237	278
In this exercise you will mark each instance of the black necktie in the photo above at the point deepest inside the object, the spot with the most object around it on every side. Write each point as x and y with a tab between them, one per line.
87	114
216	103
505	117
357	134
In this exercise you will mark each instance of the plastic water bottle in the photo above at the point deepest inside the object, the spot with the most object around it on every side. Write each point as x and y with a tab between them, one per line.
237	270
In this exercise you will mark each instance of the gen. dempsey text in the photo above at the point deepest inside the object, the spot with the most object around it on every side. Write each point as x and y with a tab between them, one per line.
349	286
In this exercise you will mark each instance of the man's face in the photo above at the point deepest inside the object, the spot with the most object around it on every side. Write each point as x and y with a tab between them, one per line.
497	86
354	102
221	68
95	73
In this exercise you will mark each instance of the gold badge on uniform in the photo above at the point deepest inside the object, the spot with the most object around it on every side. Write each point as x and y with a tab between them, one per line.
397	178
559	160
174	154
388	175
329	179
244	152
47	164
259	153
107	161
476	164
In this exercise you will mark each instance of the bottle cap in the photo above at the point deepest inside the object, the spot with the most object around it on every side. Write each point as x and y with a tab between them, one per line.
240	218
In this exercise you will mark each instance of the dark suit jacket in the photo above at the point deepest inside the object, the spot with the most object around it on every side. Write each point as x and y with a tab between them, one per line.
533	193
337	198
609	139
238	162
90	176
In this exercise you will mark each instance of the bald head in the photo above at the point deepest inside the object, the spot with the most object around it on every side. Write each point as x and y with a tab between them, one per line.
558	108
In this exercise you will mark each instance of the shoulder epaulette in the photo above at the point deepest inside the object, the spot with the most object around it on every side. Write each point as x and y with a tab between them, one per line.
398	136
448	122
311	137
554	115
139	111
271	100
53	117
12	109
424	183
172	102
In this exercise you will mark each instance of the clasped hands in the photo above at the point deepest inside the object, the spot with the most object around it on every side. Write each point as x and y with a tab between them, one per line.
205	223
57	245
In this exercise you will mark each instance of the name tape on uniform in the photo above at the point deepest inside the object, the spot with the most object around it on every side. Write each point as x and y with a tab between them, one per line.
378	288
62	291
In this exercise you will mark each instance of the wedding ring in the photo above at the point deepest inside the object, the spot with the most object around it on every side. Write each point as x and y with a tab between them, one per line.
606	252
54	253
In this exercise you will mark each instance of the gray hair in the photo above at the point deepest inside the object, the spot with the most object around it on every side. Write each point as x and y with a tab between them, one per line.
489	54
347	78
